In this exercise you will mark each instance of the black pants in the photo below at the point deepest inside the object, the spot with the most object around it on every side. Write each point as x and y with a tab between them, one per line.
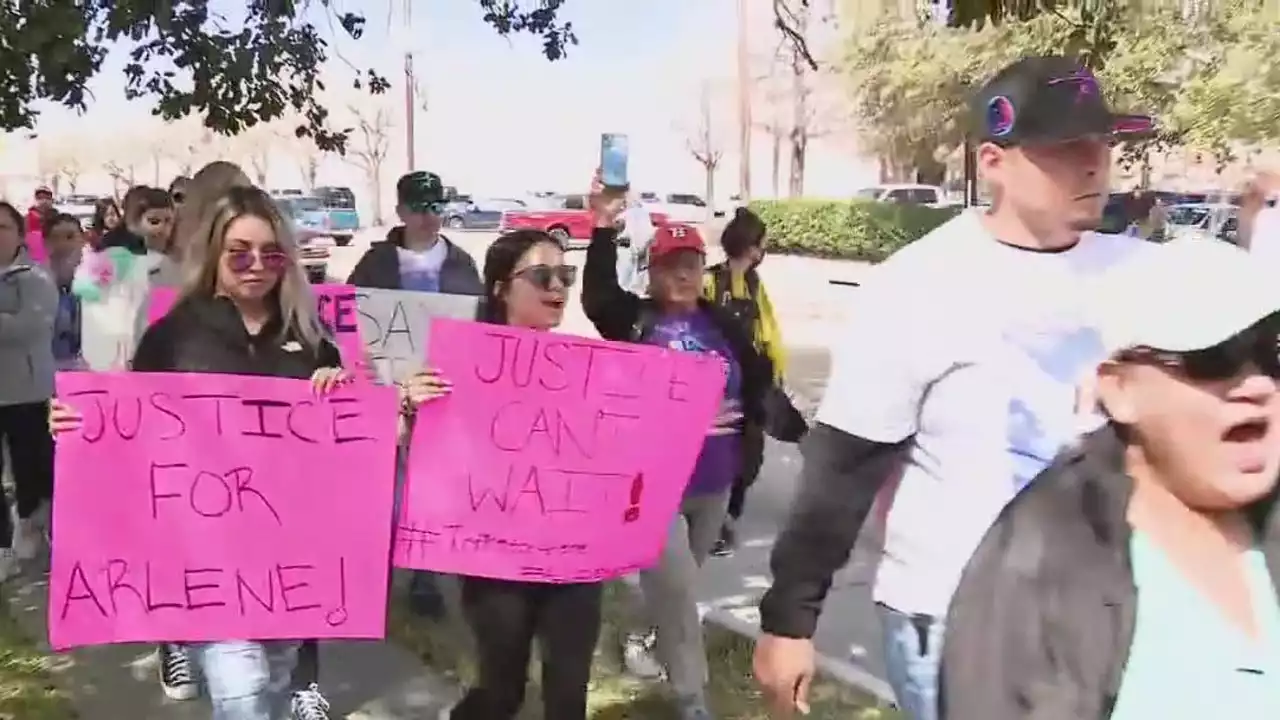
505	617
307	670
25	429
752	459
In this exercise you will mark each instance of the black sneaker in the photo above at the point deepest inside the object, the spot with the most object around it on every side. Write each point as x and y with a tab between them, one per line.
177	677
728	541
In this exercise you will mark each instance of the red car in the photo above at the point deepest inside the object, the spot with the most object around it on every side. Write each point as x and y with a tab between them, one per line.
564	217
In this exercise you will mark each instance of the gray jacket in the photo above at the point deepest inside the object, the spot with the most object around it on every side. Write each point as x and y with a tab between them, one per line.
1041	624
28	308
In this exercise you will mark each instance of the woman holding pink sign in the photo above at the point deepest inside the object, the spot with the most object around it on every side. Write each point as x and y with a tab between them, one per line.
246	308
526	284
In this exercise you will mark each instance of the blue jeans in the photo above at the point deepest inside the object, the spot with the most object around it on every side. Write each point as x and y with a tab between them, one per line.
247	679
912	653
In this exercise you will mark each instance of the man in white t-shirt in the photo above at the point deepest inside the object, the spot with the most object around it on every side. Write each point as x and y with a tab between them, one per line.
960	378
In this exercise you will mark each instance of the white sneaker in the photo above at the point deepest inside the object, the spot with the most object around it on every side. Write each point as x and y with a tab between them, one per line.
28	538
8	564
309	704
638	656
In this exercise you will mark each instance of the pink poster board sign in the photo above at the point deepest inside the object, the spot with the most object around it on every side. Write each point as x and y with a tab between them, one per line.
556	458
196	507
336	304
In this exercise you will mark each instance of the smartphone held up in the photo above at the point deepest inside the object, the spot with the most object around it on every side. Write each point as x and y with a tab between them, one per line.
613	161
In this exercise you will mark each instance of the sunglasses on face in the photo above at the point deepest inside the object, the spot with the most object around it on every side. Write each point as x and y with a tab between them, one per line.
273	259
540	276
1230	359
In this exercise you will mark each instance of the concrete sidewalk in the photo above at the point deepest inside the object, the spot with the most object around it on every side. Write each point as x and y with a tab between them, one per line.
362	680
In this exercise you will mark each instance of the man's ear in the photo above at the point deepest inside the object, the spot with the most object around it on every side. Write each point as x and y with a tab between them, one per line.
1112	389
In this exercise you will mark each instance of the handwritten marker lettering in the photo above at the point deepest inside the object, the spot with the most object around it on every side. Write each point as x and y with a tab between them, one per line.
210	507
555	458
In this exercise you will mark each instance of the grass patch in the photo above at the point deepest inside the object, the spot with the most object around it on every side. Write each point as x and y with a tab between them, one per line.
27	690
615	695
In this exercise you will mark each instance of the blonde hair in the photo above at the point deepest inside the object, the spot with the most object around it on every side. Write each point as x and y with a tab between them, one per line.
293	297
204	189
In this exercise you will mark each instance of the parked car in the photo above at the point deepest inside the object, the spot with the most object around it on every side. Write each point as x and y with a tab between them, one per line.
306	216
479	214
80	207
679	207
564	217
341	220
1205	221
907	194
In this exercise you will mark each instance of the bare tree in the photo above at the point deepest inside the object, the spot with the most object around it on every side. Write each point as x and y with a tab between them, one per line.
191	145
304	152
253	148
61	158
368	147
704	144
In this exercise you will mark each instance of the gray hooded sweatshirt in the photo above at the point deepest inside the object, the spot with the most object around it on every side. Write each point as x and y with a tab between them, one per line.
28	307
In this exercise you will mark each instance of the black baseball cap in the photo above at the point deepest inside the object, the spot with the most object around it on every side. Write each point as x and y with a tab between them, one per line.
420	191
1048	99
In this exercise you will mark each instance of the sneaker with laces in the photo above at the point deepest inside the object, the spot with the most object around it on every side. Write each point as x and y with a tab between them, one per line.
28	538
309	704
8	564
639	658
727	543
177	677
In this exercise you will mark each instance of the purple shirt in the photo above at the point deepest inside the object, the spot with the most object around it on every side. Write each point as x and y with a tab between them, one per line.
721	457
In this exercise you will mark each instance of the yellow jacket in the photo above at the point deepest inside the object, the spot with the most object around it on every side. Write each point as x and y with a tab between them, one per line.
765	333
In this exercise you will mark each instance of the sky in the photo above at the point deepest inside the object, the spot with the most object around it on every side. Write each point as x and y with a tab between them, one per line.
501	119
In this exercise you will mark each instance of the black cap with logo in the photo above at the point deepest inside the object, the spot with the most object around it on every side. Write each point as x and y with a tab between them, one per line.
1048	99
420	191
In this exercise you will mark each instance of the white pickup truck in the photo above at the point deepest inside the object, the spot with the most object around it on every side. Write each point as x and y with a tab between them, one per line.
907	194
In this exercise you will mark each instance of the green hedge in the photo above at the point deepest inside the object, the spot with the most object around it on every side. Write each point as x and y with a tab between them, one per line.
845	229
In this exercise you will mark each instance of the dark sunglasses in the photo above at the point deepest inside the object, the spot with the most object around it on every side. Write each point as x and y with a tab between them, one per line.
540	276
273	259
178	197
1255	347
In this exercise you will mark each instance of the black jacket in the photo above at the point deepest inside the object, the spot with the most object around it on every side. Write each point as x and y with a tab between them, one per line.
122	237
380	267
1041	624
621	315
207	335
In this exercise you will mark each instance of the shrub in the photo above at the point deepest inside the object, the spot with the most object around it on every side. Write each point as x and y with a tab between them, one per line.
846	229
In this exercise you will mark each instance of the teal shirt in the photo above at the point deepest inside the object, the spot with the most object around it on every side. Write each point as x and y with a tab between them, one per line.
1187	660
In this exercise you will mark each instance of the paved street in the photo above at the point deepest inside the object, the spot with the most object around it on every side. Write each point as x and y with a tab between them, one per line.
810	311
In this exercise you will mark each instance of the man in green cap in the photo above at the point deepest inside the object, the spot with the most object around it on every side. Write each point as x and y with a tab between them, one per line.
415	256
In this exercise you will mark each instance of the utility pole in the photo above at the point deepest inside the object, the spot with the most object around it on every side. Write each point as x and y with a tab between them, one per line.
744	105
410	88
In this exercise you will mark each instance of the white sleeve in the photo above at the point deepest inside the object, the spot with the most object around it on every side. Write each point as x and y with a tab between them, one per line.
880	367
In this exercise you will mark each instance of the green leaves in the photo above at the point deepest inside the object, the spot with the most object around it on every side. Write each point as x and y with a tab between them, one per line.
191	61
1210	75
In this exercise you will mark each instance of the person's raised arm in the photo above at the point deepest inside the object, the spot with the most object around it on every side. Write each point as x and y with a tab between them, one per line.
612	309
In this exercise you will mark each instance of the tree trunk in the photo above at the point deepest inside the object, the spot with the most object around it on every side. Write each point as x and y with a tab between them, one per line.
72	180
775	157
375	184
799	111
744	105
710	188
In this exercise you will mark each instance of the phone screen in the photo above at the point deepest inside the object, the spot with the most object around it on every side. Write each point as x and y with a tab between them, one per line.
613	160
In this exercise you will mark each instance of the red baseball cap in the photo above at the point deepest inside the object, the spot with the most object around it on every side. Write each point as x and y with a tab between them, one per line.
673	237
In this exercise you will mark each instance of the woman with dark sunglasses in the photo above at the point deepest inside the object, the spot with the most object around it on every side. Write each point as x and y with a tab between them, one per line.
526	284
677	315
1137	576
247	309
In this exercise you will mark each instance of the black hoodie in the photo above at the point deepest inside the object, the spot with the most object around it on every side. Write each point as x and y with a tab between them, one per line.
380	267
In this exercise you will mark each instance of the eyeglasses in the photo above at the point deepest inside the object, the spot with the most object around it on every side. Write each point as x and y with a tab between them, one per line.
273	259
1255	347
540	276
